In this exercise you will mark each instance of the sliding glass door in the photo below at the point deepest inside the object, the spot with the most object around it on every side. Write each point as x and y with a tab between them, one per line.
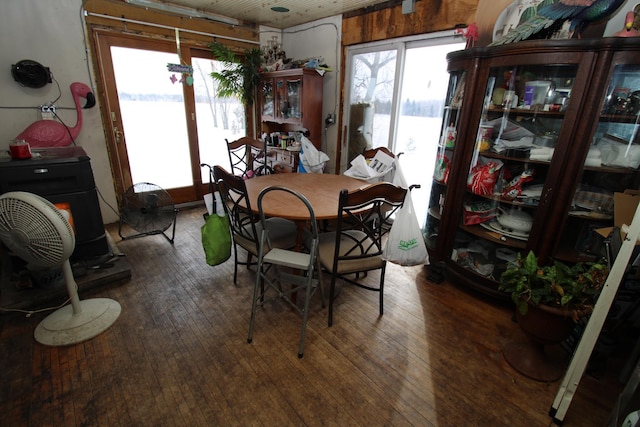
395	99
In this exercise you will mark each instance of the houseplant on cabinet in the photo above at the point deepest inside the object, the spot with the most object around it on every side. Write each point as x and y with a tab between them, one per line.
549	300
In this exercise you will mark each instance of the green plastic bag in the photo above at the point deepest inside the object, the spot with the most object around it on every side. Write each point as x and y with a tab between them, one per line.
216	239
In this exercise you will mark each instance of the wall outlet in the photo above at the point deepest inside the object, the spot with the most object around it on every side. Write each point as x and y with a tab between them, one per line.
330	120
48	112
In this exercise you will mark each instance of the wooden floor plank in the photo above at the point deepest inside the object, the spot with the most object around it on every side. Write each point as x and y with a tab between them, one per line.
178	355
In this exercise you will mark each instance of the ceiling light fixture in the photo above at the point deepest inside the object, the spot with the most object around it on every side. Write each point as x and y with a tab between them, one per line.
180	10
280	9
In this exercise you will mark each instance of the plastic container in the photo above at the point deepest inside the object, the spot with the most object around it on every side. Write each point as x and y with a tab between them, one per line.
535	92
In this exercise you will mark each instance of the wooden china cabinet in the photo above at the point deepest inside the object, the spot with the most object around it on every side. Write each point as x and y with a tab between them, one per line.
291	101
536	139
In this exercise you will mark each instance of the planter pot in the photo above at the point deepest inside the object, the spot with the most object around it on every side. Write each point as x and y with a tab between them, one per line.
540	357
546	325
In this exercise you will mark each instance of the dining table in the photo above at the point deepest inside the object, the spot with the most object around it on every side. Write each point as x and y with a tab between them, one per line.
322	191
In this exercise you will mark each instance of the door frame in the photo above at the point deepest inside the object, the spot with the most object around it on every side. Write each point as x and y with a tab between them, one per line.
112	118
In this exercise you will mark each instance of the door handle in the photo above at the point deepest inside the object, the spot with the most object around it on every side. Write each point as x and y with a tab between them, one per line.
118	134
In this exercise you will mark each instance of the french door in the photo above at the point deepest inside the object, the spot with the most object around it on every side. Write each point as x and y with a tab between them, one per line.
164	124
395	98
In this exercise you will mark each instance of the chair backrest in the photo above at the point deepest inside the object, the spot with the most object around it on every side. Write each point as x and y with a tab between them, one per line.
247	154
371	152
364	218
289	199
235	199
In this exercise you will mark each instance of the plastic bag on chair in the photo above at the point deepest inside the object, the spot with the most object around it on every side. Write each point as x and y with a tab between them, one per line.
405	244
311	159
216	234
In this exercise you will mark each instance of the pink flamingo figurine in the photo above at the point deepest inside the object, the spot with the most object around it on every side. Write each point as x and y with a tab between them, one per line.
628	30
51	133
470	33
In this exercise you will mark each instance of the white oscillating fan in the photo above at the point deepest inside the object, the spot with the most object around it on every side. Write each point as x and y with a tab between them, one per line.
36	231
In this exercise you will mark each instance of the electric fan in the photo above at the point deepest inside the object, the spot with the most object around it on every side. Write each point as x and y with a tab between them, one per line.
36	231
148	209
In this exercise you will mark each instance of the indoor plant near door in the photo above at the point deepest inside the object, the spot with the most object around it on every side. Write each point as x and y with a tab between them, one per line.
549	300
240	75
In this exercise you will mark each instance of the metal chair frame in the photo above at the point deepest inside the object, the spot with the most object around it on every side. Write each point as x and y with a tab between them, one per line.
364	218
272	263
245	228
248	155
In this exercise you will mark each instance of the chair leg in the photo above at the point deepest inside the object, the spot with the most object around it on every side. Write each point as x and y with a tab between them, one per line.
305	315
320	283
332	290
259	284
382	289
235	263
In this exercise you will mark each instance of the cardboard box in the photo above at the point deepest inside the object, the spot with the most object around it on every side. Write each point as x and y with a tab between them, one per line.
624	209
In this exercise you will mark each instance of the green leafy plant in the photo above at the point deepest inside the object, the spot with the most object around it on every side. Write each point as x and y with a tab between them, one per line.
573	288
240	74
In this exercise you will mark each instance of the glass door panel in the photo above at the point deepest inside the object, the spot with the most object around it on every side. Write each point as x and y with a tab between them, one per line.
610	170
424	89
153	117
371	95
294	88
267	99
443	157
218	118
522	117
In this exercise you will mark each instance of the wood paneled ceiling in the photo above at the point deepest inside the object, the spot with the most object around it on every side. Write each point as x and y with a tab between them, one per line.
260	11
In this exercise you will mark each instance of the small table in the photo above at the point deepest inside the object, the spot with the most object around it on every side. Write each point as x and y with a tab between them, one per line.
322	191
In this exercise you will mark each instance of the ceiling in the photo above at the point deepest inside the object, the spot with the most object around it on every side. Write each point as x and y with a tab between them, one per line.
259	11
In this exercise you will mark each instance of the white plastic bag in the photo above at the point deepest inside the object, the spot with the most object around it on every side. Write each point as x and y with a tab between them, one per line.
380	169
405	244
311	160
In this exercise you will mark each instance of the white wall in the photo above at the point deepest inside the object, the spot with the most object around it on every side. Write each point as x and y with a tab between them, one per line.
320	39
51	34
616	21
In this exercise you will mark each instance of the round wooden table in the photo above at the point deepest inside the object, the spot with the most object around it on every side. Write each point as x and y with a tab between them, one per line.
322	191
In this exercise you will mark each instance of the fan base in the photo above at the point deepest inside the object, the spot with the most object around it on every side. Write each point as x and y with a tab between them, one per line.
64	327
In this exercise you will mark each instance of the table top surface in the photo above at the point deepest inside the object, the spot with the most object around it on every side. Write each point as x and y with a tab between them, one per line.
322	191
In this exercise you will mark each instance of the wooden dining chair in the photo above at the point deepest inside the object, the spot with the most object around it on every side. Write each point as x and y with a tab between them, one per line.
371	152
286	272
356	245
245	226
248	157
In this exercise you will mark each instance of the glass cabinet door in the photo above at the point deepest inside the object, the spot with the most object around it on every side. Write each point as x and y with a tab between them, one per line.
268	109
610	174
294	88
288	96
444	156
521	120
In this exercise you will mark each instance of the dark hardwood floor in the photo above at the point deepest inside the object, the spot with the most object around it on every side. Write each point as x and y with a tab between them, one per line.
178	355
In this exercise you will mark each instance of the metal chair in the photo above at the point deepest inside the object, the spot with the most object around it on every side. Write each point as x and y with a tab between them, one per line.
274	266
248	157
245	227
356	246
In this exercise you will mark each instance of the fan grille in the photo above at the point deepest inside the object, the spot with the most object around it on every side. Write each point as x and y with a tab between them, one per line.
34	229
147	208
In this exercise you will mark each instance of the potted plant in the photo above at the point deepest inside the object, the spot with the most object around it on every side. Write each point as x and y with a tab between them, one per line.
570	289
549	300
240	75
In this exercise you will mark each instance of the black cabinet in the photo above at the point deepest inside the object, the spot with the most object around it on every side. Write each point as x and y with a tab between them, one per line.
63	176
